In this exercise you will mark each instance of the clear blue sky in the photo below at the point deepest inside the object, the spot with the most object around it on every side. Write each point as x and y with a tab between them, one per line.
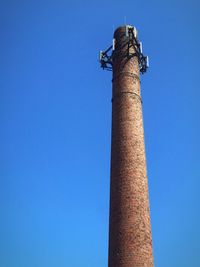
55	120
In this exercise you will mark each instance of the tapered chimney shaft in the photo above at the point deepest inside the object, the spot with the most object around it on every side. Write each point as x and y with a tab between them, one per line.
130	241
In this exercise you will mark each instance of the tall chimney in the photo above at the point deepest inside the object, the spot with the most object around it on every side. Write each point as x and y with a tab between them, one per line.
130	241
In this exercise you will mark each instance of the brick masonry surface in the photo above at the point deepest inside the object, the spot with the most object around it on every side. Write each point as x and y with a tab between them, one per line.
130	242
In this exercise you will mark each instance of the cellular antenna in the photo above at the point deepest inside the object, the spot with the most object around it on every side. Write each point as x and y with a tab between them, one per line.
133	49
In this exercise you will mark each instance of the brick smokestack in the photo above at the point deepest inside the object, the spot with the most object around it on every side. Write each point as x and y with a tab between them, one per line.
130	241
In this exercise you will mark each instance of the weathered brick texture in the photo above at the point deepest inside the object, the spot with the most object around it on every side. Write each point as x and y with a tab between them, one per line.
130	242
